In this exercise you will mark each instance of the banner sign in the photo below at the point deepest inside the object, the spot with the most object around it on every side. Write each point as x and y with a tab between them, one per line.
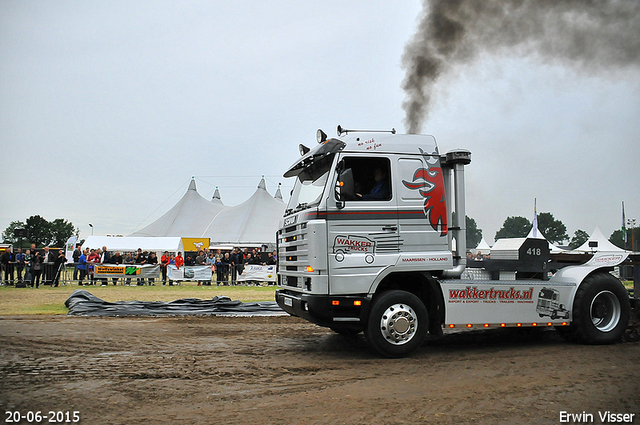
189	272
194	244
126	270
258	273
608	259
69	247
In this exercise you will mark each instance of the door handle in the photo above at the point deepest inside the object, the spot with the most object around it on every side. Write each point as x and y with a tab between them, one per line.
392	228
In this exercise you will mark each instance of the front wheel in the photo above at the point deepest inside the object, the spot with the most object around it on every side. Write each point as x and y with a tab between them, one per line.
398	323
601	310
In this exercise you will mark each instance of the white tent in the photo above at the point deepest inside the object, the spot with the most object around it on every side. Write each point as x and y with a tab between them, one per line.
538	235
601	242
278	194
483	246
255	221
189	218
131	244
216	197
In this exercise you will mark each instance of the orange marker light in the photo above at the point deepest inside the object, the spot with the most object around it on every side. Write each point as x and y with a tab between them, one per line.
469	325
357	303
452	326
335	302
518	324
310	269
502	325
486	325
534	324
564	323
549	324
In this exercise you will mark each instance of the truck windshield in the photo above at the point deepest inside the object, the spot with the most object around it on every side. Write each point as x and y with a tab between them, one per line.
309	186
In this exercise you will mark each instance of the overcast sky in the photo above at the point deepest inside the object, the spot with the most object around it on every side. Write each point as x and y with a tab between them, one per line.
107	109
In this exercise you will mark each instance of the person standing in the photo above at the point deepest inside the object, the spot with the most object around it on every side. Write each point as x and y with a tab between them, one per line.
48	260
178	262
128	259
271	261
200	261
164	262
219	269
76	256
140	259
239	262
7	260
20	263
105	258
116	259
58	264
28	279
211	262
36	268
92	260
152	260
172	262
226	265
82	266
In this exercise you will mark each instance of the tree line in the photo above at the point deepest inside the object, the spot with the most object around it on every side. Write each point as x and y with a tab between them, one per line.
39	231
56	233
552	229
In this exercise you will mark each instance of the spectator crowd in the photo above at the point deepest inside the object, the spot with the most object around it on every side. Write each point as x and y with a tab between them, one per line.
34	266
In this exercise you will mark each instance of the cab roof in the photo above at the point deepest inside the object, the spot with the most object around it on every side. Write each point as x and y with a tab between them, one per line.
375	143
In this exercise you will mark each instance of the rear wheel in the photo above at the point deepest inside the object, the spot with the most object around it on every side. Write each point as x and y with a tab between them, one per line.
601	310
398	323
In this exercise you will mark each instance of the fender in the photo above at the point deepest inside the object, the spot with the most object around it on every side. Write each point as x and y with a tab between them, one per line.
575	275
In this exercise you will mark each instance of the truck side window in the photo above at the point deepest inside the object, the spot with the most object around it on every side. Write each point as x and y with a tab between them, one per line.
372	178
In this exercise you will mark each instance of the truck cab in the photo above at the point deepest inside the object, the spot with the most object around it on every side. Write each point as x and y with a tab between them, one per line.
370	242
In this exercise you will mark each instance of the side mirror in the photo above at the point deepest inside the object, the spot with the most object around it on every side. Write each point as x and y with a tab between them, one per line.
345	186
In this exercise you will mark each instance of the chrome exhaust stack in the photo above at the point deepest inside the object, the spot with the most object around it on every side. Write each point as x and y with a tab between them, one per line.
452	164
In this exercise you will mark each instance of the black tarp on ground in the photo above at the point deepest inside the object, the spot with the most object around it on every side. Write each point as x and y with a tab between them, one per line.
83	303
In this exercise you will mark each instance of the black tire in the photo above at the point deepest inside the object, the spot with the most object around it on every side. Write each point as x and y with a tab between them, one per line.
601	310
398	323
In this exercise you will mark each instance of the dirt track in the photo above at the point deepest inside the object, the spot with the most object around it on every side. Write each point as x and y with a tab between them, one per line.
274	370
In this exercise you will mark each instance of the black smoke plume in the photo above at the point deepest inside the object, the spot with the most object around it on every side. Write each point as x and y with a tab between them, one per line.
588	35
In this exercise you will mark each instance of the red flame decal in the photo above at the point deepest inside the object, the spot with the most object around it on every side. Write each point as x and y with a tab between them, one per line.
431	186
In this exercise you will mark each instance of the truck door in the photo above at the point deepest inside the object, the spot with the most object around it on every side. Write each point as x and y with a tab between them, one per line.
422	213
362	228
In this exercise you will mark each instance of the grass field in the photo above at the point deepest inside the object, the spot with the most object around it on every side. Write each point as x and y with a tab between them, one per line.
48	300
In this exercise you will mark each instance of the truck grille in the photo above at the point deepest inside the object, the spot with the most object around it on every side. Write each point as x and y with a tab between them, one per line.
293	255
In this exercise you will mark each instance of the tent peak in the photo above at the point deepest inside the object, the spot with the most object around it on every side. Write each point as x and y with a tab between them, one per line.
216	194
262	184
192	184
278	194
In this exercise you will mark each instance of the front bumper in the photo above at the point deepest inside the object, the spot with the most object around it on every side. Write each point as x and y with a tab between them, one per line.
342	311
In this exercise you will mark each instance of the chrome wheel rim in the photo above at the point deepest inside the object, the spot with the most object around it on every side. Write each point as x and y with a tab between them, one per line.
398	324
605	311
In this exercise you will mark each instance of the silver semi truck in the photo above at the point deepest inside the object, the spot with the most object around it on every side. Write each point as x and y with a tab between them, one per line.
373	240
